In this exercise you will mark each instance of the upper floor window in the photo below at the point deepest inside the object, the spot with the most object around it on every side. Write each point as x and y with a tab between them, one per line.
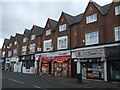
4	46
10	44
32	37
15	43
15	52
62	42
62	27
24	48
48	45
91	38
32	48
3	54
24	39
91	18
9	53
117	10
117	33
48	32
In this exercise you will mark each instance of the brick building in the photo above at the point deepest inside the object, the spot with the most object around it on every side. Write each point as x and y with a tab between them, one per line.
86	44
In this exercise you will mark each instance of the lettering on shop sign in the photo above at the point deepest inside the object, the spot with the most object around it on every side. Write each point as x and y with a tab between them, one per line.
90	53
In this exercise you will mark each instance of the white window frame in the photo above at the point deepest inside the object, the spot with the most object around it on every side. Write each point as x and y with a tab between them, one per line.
62	27
10	44
4	46
3	54
15	43
24	49
24	39
48	32
14	52
64	46
117	10
92	38
32	48
48	45
33	37
91	18
9	53
117	33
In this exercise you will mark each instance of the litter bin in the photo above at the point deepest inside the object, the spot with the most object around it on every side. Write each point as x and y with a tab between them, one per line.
79	78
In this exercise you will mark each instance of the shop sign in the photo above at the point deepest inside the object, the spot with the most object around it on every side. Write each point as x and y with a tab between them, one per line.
58	55
91	53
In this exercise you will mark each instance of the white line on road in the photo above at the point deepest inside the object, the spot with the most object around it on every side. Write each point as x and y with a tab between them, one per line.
2	77
40	87
36	86
16	81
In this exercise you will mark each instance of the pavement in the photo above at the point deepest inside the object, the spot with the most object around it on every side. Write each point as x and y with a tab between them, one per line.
90	83
86	83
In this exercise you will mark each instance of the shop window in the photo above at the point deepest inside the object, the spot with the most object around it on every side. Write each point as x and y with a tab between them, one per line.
92	38
62	42
62	27
115	70
117	10
91	18
117	33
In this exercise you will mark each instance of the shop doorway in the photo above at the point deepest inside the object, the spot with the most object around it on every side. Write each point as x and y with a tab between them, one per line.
84	72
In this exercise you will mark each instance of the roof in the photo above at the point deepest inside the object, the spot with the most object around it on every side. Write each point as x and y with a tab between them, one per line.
77	18
27	33
106	8
19	37
53	23
103	9
38	30
6	41
69	18
12	39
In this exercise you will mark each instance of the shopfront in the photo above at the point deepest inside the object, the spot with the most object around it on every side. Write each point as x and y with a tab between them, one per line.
113	57
91	63
56	64
28	63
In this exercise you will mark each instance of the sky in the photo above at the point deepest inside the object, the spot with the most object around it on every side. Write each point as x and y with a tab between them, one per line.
18	15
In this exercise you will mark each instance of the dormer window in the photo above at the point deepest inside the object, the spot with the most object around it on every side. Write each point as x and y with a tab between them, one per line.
117	10
62	27
32	37
48	32
15	43
92	18
24	39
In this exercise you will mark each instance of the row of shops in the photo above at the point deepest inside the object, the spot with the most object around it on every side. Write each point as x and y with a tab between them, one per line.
99	62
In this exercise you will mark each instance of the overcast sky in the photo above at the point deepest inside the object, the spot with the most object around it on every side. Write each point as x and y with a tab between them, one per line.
15	17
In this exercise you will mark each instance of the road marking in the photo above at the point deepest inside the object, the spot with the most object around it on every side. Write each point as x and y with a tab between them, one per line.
36	86
16	81
40	87
2	77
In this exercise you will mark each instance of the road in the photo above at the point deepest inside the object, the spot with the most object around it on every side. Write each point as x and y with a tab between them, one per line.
19	80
